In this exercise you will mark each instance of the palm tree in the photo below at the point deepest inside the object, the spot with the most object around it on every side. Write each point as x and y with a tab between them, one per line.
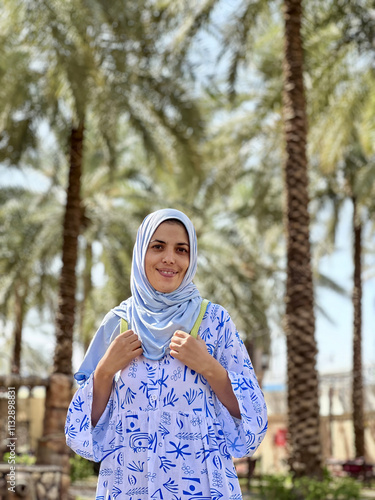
28	249
351	178
26	259
342	146
303	401
353	20
357	383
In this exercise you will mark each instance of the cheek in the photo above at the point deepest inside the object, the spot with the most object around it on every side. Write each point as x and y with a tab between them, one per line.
186	265
148	264
147	269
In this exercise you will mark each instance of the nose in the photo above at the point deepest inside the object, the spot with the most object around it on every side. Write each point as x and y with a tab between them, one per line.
168	257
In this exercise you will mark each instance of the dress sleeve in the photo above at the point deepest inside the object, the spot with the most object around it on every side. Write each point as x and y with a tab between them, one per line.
107	331
81	436
244	435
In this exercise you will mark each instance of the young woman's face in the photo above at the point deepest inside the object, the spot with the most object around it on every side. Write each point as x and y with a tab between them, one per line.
168	256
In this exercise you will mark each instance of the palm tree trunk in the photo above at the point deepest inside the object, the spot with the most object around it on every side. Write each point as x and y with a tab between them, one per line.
19	314
72	221
19	310
52	448
303	402
87	289
357	389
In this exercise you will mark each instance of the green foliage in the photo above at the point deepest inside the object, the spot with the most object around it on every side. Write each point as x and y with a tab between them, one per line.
347	488
311	489
23	459
305	488
276	487
80	468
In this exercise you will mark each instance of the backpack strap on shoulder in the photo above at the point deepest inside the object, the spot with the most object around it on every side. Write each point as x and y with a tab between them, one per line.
123	325
197	324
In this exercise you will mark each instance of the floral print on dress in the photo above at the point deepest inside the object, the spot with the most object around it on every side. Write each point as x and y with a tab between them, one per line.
164	434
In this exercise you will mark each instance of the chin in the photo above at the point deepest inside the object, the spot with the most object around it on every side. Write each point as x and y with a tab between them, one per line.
167	288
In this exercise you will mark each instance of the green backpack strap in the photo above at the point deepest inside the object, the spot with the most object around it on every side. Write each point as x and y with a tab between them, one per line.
123	325
197	324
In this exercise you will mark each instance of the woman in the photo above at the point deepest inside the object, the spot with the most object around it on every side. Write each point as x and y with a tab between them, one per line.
162	410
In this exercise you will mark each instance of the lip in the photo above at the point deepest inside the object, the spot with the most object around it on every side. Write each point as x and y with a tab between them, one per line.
167	273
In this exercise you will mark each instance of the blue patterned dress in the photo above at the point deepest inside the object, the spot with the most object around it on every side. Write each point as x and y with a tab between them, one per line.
164	434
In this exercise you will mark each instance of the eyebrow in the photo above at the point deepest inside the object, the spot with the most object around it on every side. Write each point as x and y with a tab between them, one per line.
161	241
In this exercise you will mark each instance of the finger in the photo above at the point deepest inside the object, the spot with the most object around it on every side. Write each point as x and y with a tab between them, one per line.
131	340
137	352
173	346
136	345
181	334
175	341
126	334
174	353
132	355
178	342
126	343
128	339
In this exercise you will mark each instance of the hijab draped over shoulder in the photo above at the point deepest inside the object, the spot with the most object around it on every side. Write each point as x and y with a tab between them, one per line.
154	316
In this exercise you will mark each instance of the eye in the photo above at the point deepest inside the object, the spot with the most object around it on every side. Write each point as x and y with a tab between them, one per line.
156	246
182	250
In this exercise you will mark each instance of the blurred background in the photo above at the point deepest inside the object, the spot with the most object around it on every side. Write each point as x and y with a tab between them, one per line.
112	110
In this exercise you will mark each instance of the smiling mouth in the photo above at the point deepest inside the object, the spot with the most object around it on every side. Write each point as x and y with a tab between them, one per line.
167	273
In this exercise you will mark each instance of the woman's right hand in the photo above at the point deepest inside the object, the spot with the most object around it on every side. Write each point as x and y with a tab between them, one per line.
121	351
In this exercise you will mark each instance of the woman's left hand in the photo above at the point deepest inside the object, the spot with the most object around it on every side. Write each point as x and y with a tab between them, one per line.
190	351
193	353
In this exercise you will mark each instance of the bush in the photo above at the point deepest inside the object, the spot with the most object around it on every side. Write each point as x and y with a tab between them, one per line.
80	468
347	488
23	458
305	488
276	487
311	489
